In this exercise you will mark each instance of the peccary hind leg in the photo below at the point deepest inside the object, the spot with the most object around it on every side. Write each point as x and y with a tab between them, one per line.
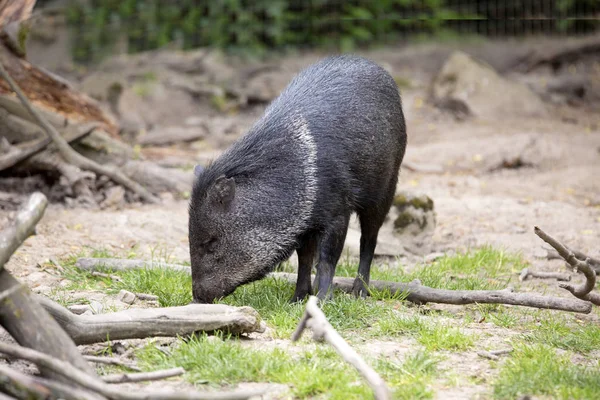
369	227
306	258
330	249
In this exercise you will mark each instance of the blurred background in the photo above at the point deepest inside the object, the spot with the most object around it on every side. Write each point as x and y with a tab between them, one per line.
502	101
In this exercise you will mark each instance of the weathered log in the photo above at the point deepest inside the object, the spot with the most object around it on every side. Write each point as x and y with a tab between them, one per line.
27	322
136	323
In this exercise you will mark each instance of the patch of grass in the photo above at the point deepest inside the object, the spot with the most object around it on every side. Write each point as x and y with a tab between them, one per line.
411	377
226	362
270	297
401	326
486	268
443	337
499	315
554	330
538	370
432	336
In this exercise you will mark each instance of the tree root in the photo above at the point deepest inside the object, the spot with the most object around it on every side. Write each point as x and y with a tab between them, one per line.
70	155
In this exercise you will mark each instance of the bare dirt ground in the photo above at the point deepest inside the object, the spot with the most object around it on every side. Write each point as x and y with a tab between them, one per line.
474	205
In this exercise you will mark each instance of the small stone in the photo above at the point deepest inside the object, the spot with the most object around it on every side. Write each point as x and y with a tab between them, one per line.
126	297
79	309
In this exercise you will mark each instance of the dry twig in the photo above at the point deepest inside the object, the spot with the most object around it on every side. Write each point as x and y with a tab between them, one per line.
71	155
144	376
29	387
583	292
526	273
594	262
112	361
92	383
314	319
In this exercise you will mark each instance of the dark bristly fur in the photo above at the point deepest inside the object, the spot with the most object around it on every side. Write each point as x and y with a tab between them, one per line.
331	144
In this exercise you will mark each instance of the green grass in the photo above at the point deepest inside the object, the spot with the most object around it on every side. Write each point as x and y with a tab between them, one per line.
486	268
410	377
433	336
539	370
556	330
322	372
308	373
475	269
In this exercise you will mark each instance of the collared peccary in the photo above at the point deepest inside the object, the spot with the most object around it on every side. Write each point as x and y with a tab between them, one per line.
331	144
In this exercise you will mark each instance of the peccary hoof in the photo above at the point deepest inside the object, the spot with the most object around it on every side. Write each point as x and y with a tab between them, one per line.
358	289
299	297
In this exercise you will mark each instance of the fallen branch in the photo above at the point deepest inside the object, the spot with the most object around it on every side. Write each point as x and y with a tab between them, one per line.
71	155
94	384
25	386
314	319
583	292
144	376
416	293
493	354
136	323
526	273
23	227
594	262
146	296
420	294
112	361
20	314
117	264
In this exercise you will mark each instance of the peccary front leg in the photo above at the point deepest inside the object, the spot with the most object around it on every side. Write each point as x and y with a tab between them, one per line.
330	250
306	258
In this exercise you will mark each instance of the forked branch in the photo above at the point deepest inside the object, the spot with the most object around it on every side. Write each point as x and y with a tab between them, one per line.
584	291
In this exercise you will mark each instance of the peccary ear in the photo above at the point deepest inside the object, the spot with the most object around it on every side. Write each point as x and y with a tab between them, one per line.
198	170
223	190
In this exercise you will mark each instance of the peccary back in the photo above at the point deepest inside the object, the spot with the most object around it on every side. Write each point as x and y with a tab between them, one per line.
331	144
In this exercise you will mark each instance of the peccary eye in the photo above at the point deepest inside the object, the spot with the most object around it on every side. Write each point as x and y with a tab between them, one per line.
209	245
